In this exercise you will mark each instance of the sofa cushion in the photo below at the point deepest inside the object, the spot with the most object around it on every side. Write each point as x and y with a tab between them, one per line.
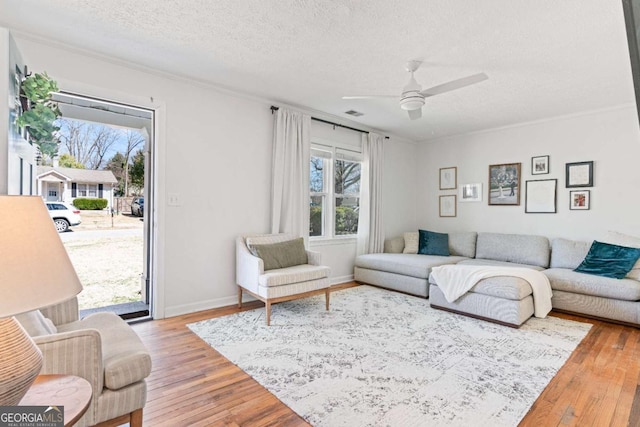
36	324
508	287
280	254
609	260
568	253
563	279
499	263
294	274
406	264
394	245
124	356
410	242
517	248
626	240
463	244
432	243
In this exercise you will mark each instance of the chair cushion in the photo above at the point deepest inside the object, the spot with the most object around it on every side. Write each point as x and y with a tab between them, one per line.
280	254
294	274
125	358
36	324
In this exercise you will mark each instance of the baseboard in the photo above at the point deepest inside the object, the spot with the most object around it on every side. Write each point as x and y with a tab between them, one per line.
341	279
179	310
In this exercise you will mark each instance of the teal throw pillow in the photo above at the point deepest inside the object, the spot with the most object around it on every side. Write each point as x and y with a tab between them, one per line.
607	260
432	243
281	254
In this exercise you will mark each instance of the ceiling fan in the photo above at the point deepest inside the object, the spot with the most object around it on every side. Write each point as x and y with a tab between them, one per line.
412	97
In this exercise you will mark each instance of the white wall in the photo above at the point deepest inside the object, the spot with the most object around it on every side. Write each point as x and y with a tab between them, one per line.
214	151
610	138
18	176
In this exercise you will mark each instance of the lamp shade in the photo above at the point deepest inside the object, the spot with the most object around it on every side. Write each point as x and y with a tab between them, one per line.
35	270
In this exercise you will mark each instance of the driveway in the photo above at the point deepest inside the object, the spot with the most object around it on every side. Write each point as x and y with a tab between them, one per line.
107	254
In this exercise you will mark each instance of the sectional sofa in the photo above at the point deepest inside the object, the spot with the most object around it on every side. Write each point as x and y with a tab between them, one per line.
505	299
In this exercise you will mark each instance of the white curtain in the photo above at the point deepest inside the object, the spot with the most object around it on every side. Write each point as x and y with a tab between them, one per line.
290	173
370	228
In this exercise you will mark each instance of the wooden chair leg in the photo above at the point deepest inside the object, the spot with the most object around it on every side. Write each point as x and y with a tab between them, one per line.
136	418
268	307
239	296
326	298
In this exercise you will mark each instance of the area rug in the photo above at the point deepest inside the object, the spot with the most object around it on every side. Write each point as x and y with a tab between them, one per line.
381	358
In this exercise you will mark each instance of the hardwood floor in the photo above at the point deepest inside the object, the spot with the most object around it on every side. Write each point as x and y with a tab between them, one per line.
193	385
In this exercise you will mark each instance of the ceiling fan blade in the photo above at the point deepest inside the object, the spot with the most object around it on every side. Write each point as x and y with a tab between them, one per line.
369	96
415	114
455	84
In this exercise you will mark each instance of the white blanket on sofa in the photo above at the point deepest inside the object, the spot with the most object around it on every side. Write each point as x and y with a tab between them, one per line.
456	280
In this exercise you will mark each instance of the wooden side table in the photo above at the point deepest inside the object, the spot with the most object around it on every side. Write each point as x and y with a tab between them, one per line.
74	393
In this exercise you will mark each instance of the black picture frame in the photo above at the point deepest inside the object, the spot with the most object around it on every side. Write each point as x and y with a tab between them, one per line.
579	174
579	200
539	165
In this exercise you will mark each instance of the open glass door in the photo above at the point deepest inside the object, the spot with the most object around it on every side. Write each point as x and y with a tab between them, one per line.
103	170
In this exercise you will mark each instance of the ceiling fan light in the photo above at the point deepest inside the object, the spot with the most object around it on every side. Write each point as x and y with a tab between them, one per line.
411	103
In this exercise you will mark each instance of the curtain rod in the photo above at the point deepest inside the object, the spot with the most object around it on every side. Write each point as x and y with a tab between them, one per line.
274	108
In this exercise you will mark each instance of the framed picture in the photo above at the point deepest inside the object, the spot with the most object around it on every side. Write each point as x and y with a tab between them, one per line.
579	200
448	205
579	174
471	192
448	178
504	184
539	165
541	196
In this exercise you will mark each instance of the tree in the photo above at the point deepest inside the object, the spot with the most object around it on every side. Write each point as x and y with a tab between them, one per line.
88	143
347	179
137	171
66	160
117	166
134	139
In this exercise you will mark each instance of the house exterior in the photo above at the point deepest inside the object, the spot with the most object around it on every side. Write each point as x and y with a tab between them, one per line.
67	184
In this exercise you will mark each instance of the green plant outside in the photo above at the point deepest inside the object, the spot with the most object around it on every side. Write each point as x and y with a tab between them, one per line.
346	221
90	204
40	116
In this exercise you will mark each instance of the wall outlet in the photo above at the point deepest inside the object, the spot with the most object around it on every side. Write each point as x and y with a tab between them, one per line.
173	199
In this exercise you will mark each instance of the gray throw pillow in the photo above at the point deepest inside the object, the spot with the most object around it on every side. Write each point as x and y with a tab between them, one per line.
282	254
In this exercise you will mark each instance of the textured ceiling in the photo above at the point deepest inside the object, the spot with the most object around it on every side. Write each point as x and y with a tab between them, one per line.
544	58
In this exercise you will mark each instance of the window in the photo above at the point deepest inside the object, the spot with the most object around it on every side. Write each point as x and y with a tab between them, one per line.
335	191
87	190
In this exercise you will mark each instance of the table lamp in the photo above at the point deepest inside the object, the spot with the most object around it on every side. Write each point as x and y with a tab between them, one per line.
35	272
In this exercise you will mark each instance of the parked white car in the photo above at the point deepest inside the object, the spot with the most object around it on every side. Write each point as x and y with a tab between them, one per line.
63	215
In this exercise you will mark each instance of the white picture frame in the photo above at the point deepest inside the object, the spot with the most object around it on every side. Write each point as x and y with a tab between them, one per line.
470	192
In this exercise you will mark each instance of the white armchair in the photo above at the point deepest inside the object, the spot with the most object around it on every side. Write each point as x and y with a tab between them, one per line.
281	284
101	348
